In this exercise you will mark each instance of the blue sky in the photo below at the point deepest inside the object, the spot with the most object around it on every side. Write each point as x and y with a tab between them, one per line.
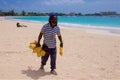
64	6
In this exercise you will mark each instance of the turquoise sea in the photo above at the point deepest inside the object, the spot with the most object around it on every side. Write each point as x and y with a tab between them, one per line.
103	22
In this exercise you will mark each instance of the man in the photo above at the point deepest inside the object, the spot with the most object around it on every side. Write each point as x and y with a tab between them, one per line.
49	32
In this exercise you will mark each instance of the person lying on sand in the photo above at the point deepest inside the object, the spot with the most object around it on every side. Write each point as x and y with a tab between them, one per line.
20	25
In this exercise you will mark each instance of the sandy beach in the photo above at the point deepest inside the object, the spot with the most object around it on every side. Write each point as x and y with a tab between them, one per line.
88	54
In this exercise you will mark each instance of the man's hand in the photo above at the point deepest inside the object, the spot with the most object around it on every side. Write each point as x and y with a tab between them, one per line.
61	44
38	45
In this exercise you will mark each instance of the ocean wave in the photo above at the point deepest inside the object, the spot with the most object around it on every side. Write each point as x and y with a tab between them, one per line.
88	26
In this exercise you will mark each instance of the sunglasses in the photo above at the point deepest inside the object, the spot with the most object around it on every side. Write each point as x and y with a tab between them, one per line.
53	22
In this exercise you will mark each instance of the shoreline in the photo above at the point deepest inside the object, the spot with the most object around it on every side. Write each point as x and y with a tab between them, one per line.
74	25
90	29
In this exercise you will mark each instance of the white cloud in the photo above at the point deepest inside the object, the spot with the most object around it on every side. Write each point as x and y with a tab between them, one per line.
59	2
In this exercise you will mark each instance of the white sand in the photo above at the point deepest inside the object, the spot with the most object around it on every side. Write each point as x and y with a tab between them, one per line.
87	56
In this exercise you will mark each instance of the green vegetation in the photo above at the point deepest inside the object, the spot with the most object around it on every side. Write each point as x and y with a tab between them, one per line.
24	13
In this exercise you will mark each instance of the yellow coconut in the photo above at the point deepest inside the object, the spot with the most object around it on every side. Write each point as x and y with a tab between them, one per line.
61	51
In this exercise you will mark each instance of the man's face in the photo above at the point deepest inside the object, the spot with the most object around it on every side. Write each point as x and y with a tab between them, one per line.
53	21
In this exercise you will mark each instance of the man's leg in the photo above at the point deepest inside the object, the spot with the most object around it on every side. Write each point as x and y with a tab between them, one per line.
53	58
53	61
44	60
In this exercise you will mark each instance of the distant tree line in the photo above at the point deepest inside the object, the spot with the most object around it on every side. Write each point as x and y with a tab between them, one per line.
24	13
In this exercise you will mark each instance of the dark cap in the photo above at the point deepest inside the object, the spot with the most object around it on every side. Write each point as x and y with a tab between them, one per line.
52	15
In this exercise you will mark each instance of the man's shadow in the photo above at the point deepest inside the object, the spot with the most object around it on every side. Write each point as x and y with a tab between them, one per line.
35	74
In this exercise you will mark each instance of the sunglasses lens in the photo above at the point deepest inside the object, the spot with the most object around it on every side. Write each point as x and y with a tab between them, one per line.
53	21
